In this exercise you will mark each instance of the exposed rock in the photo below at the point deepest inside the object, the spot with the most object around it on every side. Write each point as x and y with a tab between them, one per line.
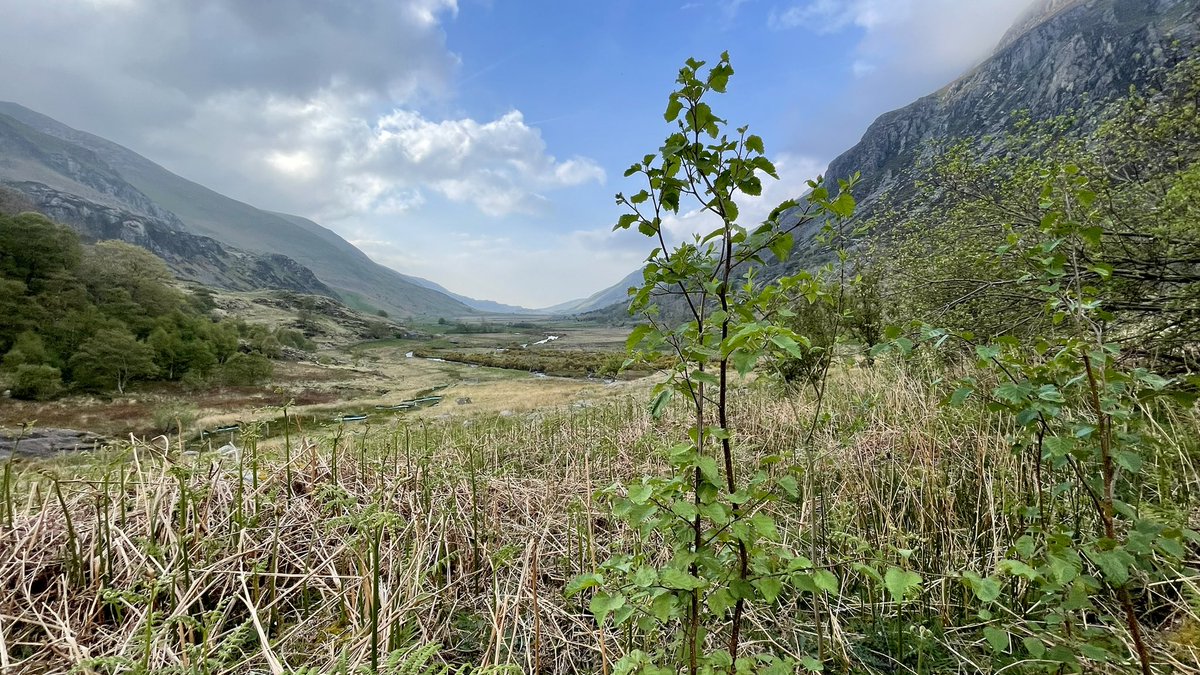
464	400
39	443
190	257
1063	55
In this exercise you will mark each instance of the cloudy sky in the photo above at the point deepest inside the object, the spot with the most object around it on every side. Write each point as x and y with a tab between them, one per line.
476	143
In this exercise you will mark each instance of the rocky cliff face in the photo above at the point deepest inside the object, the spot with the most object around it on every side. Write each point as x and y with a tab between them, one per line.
190	257
1062	56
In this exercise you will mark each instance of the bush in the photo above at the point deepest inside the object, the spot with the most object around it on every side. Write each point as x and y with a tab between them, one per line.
289	337
36	382
247	370
174	418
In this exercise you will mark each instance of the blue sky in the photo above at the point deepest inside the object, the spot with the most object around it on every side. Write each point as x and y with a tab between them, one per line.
477	143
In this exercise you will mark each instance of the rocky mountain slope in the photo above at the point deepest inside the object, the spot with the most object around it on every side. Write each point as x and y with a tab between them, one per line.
1062	56
613	295
35	149
190	257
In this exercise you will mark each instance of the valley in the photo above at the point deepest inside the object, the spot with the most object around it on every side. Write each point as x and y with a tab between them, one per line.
933	412
349	373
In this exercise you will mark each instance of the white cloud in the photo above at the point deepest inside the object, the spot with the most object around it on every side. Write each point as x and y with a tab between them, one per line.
794	173
828	16
328	158
908	35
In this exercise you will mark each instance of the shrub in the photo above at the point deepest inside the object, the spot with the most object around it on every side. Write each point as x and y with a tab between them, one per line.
174	418
247	370
289	337
36	382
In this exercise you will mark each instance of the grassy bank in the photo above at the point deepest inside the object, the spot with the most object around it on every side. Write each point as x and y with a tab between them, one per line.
457	538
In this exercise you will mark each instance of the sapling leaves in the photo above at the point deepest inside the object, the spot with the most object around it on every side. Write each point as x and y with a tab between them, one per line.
726	549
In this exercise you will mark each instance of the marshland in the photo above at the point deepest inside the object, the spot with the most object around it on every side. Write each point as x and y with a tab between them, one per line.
937	414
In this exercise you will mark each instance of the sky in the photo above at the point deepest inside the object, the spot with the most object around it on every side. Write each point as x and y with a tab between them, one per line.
476	143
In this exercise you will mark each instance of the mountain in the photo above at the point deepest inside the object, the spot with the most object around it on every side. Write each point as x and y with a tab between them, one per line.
615	294
189	257
1062	56
488	306
35	149
97	203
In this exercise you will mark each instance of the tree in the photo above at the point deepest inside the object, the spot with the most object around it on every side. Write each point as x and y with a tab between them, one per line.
111	358
13	202
33	250
721	556
130	284
247	370
1141	167
36	382
27	349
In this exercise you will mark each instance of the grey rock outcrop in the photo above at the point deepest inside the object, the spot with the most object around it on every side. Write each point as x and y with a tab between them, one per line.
42	443
190	257
1062	56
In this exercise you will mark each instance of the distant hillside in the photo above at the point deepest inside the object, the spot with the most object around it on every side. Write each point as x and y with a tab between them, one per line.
190	257
615	294
99	171
488	306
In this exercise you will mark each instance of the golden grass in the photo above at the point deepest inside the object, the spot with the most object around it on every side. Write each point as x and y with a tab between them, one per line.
149	559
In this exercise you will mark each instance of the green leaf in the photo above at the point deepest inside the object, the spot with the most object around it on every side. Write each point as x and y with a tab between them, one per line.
1018	569
826	581
1034	647
987	353
782	245
985	589
664	606
604	604
788	345
721	601
1013	392
997	638
764	525
960	396
1114	564
674	107
644	577
708	468
638	334
640	494
755	144
582	583
1128	460
769	588
901	583
660	403
676	579
811	664
625	221
1095	652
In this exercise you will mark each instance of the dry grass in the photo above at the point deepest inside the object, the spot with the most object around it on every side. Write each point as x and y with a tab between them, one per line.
148	559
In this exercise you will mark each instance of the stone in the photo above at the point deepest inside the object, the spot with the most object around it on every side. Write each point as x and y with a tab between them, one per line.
40	443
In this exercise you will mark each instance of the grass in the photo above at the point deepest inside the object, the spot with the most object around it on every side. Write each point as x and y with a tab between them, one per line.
458	536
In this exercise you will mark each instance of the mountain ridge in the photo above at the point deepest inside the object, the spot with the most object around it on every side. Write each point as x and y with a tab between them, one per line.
152	190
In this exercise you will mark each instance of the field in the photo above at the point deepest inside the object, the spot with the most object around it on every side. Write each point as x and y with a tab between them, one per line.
450	536
348	375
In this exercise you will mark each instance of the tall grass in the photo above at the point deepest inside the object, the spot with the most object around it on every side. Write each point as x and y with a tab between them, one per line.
361	547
